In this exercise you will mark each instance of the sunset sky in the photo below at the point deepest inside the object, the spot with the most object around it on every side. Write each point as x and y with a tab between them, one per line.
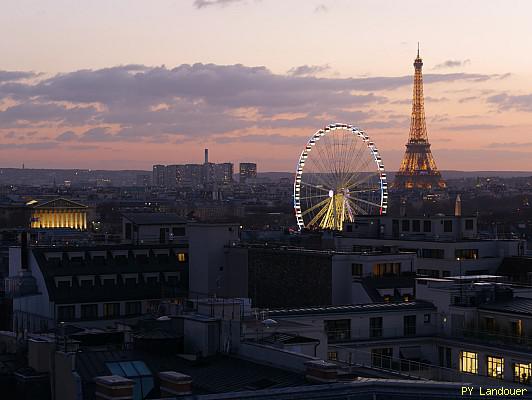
124	84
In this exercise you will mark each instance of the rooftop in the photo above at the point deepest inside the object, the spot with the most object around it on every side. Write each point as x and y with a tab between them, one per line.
517	305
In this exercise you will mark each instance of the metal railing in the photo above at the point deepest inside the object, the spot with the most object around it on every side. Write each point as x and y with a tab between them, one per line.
370	333
350	359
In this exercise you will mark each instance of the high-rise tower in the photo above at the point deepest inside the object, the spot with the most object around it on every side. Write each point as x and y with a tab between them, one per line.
418	168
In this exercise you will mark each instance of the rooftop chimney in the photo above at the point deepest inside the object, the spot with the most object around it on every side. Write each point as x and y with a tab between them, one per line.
321	371
175	384
113	387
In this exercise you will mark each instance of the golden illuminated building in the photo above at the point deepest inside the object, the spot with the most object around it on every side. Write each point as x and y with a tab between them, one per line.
58	213
418	168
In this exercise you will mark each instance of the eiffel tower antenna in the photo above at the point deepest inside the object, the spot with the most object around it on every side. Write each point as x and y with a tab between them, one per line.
418	168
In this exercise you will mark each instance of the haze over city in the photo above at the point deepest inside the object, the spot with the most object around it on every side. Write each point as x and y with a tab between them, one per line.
126	84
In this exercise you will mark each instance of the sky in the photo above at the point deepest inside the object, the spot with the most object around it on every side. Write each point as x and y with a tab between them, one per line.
125	84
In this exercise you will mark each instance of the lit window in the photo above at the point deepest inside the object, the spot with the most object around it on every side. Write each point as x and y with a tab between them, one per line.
181	257
332	355
468	362
495	367
522	373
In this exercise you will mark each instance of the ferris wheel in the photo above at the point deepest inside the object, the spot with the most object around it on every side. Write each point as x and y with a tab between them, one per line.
339	176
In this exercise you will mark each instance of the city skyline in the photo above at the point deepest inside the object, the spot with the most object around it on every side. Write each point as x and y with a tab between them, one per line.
106	100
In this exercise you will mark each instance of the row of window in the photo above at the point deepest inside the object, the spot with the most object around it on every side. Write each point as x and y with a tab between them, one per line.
522	372
377	270
415	225
128	281
90	311
338	330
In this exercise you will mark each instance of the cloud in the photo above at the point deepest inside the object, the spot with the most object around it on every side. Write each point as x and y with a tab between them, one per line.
66	136
509	145
306	70
472	127
452	64
137	102
321	8
199	4
506	101
10	76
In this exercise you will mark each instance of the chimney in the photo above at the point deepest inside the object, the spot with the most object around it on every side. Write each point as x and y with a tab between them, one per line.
321	371
206	156
113	387
175	384
458	207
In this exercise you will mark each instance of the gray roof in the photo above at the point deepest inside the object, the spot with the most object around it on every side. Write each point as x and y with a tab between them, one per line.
154	218
218	374
348	309
517	305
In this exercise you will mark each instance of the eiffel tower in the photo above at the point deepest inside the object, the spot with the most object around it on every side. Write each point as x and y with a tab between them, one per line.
418	168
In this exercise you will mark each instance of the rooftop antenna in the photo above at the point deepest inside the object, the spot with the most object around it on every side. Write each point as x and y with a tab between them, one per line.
417	49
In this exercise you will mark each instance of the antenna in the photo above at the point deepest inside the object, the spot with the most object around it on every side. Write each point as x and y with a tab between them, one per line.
417	49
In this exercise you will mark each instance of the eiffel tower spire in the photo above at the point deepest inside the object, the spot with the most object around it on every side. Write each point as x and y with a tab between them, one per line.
418	168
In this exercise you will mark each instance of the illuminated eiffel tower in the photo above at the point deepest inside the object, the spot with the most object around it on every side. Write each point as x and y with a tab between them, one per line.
418	168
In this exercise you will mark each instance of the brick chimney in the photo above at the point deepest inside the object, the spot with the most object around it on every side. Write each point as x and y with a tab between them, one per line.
113	387
321	371
175	384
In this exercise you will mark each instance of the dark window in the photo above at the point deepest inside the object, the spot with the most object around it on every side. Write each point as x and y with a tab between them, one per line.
133	307
489	322
86	283
405	225
356	269
173	280
448	225
63	284
151	280
89	311
66	313
111	310
375	327
427	226
142	258
448	357
441	356
349	228
382	358
98	260
426	318
416	225
128	230
409	322
469	224
108	282
338	329
432	253
178	231
129	282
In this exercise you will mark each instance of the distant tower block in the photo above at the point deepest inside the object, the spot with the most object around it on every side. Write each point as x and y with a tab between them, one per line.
206	156
458	207
418	168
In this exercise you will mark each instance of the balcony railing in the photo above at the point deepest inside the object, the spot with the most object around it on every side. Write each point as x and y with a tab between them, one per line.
494	337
